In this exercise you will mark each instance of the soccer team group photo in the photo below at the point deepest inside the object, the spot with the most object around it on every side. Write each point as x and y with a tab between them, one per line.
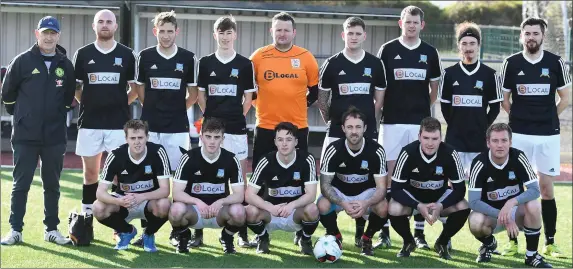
389	172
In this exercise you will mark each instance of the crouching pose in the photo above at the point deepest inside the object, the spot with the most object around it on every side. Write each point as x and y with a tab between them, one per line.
288	177
142	171
353	179
201	196
498	199
420	182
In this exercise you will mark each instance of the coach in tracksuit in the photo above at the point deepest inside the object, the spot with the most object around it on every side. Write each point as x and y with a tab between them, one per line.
38	90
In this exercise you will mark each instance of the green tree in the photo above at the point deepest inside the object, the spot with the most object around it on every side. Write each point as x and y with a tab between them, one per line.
485	12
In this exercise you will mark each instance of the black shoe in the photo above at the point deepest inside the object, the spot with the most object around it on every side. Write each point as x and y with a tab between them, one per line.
484	254
138	242
443	251
173	238
537	261
366	245
227	243
183	241
383	241
421	242
339	240
197	241
407	248
305	246
244	242
263	244
297	237
90	226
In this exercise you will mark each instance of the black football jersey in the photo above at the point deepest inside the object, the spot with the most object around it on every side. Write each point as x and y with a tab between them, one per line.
408	74
166	80
427	176
470	94
104	75
136	176
354	171
533	85
284	183
208	180
499	183
225	82
352	83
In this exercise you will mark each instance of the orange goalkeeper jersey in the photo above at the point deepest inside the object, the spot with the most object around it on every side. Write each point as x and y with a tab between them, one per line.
283	79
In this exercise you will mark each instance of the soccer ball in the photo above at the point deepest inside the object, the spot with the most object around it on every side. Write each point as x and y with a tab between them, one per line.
326	249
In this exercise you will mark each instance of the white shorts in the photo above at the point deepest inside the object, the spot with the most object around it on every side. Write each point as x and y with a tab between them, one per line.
205	223
237	144
393	137
91	142
442	198
172	142
467	158
543	152
135	212
284	224
365	195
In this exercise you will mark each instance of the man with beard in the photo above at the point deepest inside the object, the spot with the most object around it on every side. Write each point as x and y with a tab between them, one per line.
467	89
353	179
531	78
103	70
165	75
413	71
354	77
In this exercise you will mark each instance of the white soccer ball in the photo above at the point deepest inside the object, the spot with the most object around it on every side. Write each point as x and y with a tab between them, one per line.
326	249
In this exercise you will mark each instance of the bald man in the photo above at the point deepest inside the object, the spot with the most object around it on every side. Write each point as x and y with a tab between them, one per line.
103	71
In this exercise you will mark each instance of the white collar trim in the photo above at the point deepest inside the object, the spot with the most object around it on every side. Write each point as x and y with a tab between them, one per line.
285	166
100	49
500	167
165	56
533	61
207	158
350	151
225	61
468	72
350	59
415	46
424	155
134	160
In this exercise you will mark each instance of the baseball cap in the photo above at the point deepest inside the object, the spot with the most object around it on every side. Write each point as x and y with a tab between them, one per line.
48	22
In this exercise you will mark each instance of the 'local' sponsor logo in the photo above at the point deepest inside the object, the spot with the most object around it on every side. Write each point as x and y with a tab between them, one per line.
285	192
533	89
138	186
467	100
409	74
354	178
503	194
270	75
103	78
165	83
208	188
427	185
222	90
354	88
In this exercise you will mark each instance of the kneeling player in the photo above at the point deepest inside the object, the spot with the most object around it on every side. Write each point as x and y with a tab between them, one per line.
142	171
201	190
289	179
498	199
420	182
359	187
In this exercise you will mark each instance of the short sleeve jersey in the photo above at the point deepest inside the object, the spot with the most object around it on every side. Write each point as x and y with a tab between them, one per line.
104	75
283	79
284	183
499	183
136	176
427	177
224	83
354	171
352	83
470	94
409	70
533	85
208	180
166	79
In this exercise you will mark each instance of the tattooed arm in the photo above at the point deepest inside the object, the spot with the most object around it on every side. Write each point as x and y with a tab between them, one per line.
324	104
327	190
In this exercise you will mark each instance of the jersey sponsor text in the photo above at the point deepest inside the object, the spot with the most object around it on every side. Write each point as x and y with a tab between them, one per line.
222	90
503	194
208	188
533	89
354	88
427	185
165	83
467	100
409	74
285	192
139	186
103	78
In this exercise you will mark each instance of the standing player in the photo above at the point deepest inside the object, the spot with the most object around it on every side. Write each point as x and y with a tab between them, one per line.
498	197
411	66
166	74
142	172
531	78
284	72
201	190
103	70
226	86
289	180
355	78
359	165
420	182
466	91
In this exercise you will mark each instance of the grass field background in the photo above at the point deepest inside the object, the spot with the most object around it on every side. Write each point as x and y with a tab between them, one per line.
35	252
